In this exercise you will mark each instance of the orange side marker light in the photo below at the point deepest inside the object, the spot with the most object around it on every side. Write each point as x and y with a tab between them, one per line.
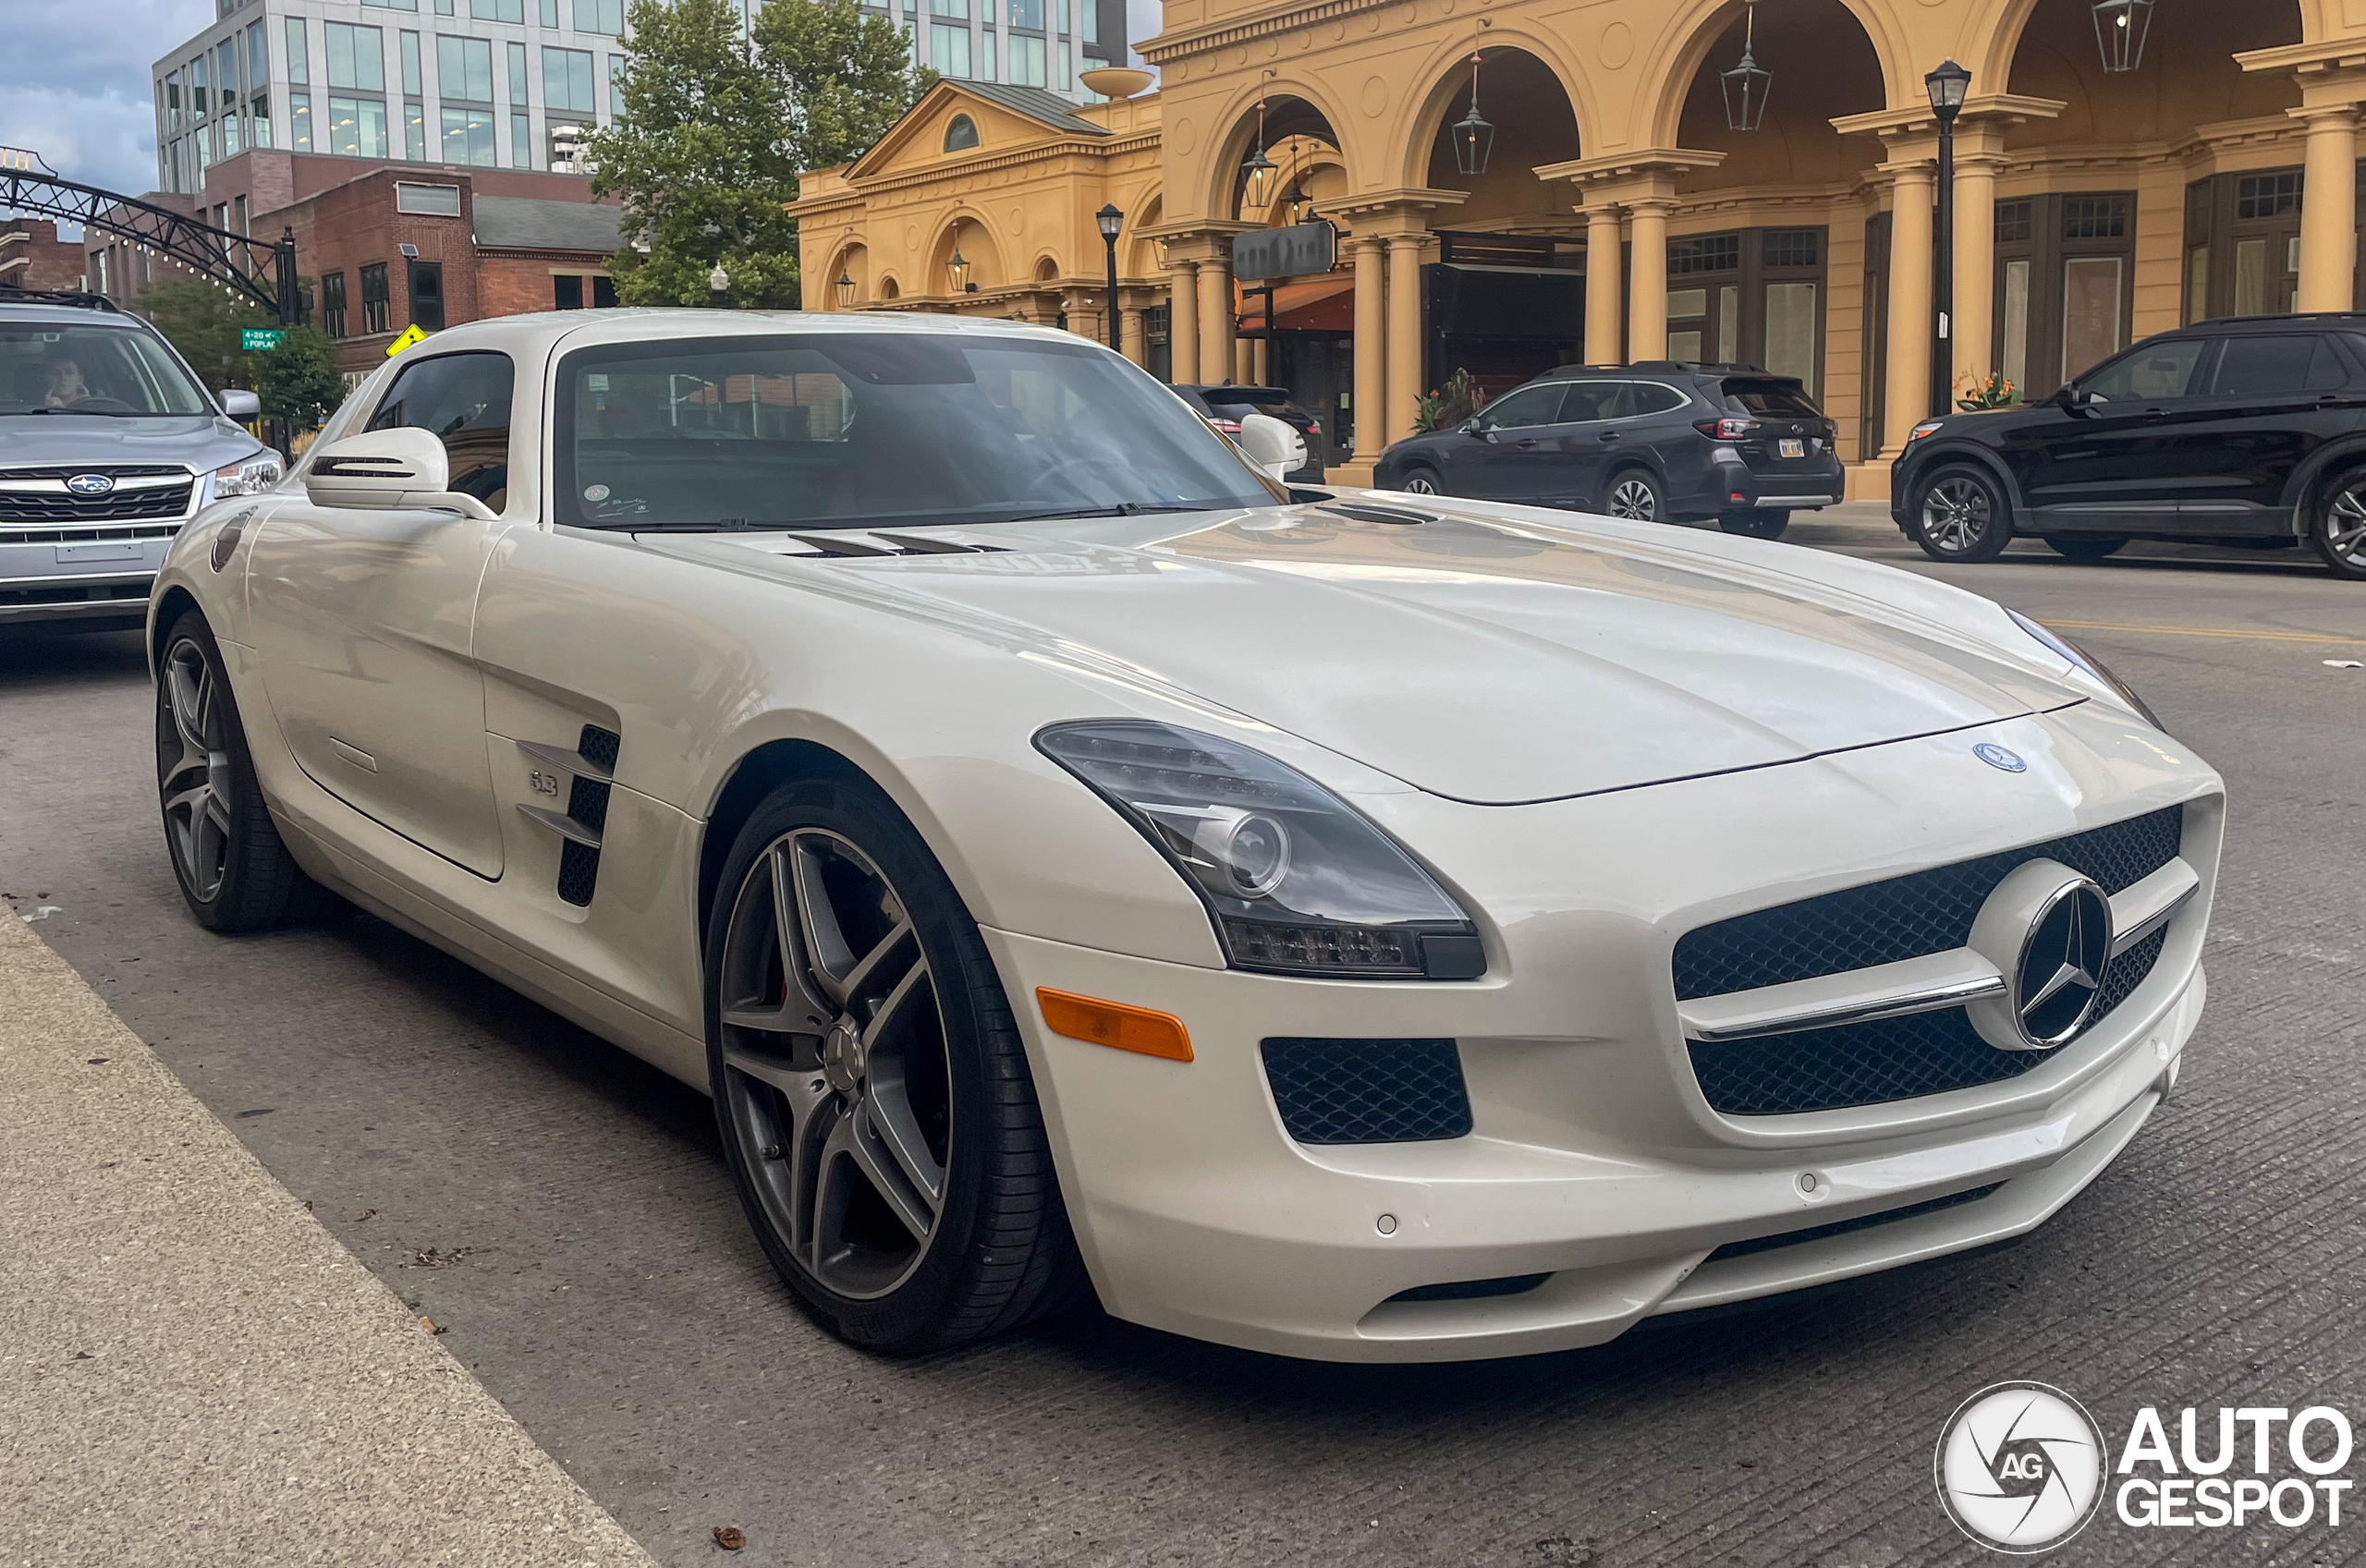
1114	1024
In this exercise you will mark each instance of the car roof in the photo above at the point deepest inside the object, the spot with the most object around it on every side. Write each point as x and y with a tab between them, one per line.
2240	325
638	325
53	314
1660	368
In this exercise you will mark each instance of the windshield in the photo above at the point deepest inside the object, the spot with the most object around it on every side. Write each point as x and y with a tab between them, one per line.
68	368
859	429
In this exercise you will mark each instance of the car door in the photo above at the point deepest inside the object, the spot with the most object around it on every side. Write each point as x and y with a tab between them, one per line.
1509	449
364	619
2113	456
1655	420
2269	401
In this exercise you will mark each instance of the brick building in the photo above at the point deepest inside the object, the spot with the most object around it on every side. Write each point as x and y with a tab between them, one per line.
31	256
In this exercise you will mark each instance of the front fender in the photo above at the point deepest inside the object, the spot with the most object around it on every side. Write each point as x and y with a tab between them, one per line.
2337	456
1907	476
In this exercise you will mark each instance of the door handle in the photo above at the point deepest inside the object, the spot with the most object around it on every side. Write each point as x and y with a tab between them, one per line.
1525	444
2156	413
1607	437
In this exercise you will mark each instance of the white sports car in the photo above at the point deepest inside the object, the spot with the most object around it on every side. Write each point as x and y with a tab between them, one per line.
1310	921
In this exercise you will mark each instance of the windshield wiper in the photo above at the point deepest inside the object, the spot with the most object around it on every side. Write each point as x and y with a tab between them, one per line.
1122	509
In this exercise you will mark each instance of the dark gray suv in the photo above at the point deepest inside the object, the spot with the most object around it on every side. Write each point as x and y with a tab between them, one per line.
108	445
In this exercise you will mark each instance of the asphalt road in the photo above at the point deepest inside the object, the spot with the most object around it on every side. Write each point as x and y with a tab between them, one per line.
564	1211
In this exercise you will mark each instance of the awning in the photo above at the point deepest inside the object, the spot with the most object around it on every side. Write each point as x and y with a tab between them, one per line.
1322	304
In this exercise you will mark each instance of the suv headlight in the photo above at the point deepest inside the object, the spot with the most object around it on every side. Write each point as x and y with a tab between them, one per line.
1928	427
251	477
2094	668
1297	881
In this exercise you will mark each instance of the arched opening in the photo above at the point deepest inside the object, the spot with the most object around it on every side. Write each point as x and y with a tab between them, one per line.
1284	126
1047	268
1533	125
1293	302
968	248
852	267
960	134
889	289
1823	65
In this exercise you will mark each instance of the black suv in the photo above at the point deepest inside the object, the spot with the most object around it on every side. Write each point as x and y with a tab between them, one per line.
1655	441
2249	431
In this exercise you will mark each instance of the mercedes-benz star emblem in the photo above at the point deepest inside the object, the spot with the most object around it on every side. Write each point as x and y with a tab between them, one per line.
90	484
2062	965
1996	755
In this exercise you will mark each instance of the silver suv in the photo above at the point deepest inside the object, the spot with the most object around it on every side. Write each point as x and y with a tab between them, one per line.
108	445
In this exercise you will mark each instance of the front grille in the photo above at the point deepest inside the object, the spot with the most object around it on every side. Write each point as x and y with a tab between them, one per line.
1889	1059
1906	917
16	506
1368	1090
1842	1227
97	533
112	471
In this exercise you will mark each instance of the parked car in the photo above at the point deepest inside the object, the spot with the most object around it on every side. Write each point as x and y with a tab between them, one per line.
108	445
2246	432
1226	406
1338	929
1656	442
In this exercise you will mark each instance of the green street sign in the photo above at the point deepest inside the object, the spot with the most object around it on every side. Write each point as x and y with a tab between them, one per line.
252	338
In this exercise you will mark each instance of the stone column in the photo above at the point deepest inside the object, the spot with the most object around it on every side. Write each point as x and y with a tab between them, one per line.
1130	340
1647	301
1183	323
1975	263
2329	207
1371	345
1906	402
1216	318
1404	334
1604	264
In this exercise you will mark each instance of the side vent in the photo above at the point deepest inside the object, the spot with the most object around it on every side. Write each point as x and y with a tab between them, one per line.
586	803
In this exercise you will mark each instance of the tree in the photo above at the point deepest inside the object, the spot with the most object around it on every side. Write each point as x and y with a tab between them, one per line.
298	379
712	130
203	321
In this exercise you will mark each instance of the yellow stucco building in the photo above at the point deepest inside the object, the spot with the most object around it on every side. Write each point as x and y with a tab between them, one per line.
1624	206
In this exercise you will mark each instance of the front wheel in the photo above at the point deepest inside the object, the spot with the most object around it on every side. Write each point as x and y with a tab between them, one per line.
877	1112
1961	516
2339	530
2086	546
1759	522
1421	481
1636	497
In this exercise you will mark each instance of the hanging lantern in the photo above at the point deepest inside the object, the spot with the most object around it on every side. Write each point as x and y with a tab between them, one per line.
1300	205
957	272
1257	177
1747	83
1474	139
2120	27
846	290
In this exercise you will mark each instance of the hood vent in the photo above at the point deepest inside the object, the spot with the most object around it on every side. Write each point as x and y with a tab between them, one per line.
1367	513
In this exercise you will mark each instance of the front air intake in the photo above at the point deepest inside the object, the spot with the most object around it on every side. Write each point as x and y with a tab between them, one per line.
1333	1091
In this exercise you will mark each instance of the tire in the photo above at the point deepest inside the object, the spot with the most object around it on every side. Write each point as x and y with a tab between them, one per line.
1635	497
1960	514
233	868
1423	481
2338	527
877	1114
2085	546
1759	522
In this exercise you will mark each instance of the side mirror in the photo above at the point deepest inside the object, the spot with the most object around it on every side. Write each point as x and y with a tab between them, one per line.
402	469
240	404
1272	445
1470	426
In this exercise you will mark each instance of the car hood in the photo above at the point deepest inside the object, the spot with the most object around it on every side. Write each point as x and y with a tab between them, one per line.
1481	655
202	440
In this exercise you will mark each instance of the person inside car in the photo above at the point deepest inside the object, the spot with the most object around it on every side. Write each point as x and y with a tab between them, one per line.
66	386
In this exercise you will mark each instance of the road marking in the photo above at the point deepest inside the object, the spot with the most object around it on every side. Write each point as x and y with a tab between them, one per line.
2201	631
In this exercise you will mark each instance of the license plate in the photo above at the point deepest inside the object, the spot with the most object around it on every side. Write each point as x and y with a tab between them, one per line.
1792	446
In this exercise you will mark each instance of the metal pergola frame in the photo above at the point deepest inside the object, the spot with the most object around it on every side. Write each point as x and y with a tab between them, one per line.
261	270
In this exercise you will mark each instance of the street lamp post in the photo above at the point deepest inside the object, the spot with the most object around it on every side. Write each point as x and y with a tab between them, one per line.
1109	220
1946	86
718	288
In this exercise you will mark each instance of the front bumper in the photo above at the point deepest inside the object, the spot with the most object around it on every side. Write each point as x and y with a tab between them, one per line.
113	596
1595	1160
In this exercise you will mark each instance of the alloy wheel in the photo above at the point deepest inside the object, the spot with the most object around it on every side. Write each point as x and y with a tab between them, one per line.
1419	483
836	1082
1955	514
196	784
2344	529
1632	499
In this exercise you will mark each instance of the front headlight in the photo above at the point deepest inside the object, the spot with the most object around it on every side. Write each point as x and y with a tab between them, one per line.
1928	427
251	477
2094	667
1298	881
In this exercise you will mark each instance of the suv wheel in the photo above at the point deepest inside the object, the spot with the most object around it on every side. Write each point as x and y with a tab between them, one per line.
1961	516
2086	546
1759	522
1421	481
1635	497
2339	530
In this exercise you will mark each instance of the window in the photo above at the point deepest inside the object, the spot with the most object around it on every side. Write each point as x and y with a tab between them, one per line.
443	7
521	142
230	136
258	58
566	81
2161	369
517	60
358	127
2013	353
986	55
2090	319
427	201
2258	367
468	137
173	85
1092	21
227	73
415	131
550	14
603	292
2013	220
410	52
2197	283
600	16
1780	399
464	399
1791	330
567	291
955	9
1728	324
1528	406
1026	61
1794	246
464	68
299	122
333	304
197	76
2094	217
356	57
298	56
426	280
96	369
616	84
1060	52
949	49
2251	277
498	10
1709	253
2268	196
1026	13
394	5
374	316
961	133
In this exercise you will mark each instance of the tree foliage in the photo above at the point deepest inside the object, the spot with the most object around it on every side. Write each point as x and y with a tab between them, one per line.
711	130
298	379
203	321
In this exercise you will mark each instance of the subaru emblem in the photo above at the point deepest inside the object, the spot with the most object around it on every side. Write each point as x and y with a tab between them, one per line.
90	484
1997	757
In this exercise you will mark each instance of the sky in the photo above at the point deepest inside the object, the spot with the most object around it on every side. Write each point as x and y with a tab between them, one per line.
74	80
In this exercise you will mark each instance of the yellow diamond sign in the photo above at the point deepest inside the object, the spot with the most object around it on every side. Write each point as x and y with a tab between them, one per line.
410	335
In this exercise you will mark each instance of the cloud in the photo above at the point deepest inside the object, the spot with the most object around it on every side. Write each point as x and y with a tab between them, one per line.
1142	21
74	84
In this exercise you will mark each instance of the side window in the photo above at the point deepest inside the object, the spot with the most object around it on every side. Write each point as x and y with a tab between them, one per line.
1589	401
1652	398
2252	367
464	399
2159	370
1528	406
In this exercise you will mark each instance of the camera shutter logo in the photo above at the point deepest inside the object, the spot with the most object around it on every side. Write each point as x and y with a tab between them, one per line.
2020	1467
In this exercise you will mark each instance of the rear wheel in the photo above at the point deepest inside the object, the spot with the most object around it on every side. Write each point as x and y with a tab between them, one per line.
1759	522
874	1100
1959	514
2086	546
2339	530
1636	496
1421	481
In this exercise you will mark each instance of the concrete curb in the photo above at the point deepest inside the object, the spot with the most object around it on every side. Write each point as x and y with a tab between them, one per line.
192	1370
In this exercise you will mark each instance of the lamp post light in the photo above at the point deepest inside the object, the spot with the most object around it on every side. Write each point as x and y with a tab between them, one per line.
1110	221
718	288
845	286
2120	30
1946	86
